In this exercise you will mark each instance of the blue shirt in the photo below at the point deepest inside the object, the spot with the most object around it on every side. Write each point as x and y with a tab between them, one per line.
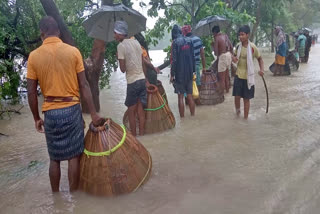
302	40
282	49
197	45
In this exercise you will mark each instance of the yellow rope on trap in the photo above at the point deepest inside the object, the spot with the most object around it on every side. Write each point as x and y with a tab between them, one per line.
106	153
160	107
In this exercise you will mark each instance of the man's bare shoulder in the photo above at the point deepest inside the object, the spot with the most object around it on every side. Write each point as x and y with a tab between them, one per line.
220	38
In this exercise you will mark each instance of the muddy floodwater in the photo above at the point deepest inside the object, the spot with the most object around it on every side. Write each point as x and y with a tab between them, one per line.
212	163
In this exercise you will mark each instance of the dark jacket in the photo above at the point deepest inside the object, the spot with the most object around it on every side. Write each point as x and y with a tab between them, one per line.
308	42
183	61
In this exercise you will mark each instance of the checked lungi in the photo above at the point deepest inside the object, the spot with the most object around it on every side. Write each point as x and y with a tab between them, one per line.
64	132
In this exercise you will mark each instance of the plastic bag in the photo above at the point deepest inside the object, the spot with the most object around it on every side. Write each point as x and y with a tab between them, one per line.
195	91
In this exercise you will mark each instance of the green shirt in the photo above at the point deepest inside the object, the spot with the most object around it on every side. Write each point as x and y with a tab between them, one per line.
242	71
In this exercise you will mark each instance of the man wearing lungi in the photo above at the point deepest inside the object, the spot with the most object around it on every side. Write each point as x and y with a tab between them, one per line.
58	68
281	52
223	49
308	45
302	46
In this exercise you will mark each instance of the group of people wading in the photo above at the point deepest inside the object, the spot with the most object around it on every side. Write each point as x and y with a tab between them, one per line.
185	61
58	68
284	57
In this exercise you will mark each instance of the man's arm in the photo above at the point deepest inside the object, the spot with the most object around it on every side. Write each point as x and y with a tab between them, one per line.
87	97
144	68
148	64
122	64
33	103
230	45
194	59
261	65
203	60
216	46
174	61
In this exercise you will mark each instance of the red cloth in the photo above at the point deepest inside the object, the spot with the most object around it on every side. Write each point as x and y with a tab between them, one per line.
186	29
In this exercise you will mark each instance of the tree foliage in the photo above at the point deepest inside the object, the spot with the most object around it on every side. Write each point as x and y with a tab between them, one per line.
261	15
178	13
20	35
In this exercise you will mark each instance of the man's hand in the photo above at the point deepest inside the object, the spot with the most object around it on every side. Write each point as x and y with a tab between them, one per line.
171	79
235	59
147	83
39	125
261	73
157	70
97	120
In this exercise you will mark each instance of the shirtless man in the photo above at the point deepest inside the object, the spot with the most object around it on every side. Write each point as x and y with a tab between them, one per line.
223	49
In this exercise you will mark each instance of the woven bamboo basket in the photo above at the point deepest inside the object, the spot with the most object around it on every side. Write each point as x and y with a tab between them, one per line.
209	94
162	91
114	162
277	72
158	114
164	96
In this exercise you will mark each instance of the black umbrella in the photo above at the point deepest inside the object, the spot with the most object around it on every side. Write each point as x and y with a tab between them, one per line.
99	24
204	26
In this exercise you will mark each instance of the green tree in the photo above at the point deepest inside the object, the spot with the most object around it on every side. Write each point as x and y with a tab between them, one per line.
290	14
190	12
20	35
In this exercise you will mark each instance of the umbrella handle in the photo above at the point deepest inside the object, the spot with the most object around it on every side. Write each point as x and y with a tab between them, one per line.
267	93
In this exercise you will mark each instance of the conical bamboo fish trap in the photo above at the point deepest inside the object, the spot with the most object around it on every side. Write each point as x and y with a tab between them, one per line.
158	114
209	93
164	96
162	91
113	162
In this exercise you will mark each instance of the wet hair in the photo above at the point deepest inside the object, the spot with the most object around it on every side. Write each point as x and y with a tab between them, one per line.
244	29
216	29
176	31
49	26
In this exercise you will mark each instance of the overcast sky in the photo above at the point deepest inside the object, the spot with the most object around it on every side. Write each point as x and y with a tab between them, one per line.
144	11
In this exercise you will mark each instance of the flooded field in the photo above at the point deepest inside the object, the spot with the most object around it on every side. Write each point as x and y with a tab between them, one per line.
210	163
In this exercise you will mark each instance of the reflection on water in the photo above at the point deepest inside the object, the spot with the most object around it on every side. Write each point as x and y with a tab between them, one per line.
211	163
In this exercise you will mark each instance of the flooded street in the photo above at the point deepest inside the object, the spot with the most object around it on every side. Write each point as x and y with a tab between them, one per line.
210	163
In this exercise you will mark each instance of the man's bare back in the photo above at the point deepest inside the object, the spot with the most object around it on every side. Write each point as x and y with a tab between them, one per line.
222	44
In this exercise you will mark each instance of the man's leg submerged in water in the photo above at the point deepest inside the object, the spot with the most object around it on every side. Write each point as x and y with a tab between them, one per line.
54	175
237	104
181	104
227	81
246	103
222	81
132	119
74	173
191	104
142	120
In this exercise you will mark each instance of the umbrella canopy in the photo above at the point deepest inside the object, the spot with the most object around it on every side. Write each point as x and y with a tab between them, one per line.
204	26
99	24
306	29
